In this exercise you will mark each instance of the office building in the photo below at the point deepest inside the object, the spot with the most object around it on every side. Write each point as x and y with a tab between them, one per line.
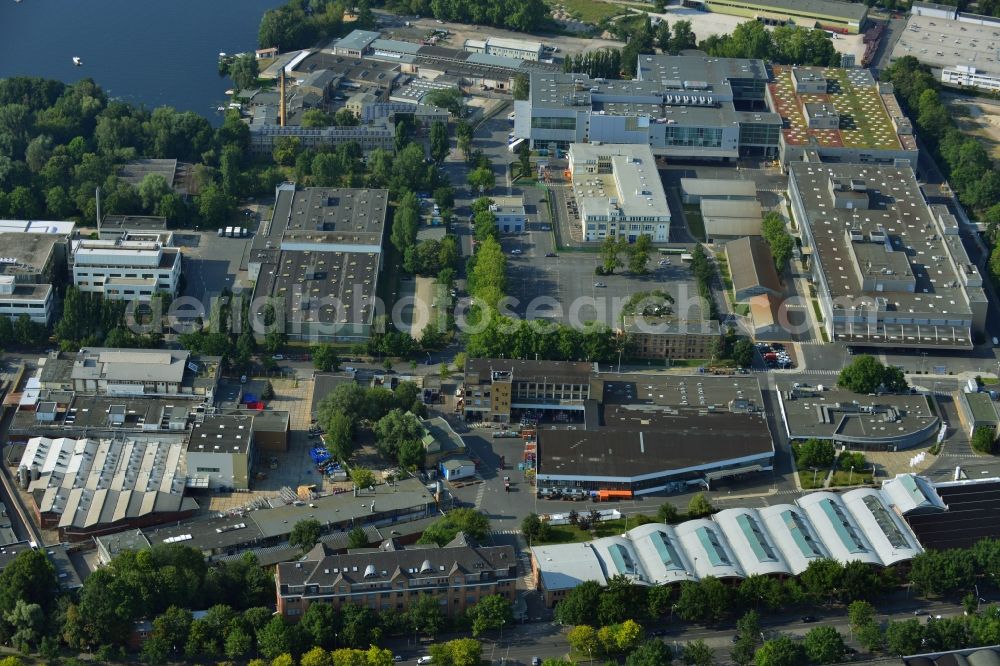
890	269
687	107
865	524
221	452
134	267
510	214
519	49
661	338
86	487
33	257
831	15
391	578
318	260
962	50
841	115
618	192
869	422
493	388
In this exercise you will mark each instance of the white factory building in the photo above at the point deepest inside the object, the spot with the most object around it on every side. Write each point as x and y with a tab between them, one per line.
133	268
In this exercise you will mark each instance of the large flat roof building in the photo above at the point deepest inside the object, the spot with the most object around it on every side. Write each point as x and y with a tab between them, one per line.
33	256
520	49
633	429
890	269
887	422
839	114
680	106
318	259
833	15
618	192
134	372
961	49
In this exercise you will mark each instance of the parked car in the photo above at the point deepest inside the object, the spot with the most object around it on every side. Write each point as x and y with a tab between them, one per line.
553	254
809	618
426	659
600	284
515	251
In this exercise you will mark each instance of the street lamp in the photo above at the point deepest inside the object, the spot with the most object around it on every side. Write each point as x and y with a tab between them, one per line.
850	477
815	470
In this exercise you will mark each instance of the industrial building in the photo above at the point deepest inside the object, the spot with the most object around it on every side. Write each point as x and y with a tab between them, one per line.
519	49
889	268
864	525
380	134
90	486
390	578
977	410
832	15
687	107
618	192
318	260
840	115
962	50
733	218
131	372
386	507
34	256
628	442
113	227
134	267
883	422
220	452
694	190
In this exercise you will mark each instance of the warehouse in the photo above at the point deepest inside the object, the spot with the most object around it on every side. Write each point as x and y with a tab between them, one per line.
833	15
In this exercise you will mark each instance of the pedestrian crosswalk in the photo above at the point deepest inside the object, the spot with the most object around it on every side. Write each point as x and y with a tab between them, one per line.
505	531
479	495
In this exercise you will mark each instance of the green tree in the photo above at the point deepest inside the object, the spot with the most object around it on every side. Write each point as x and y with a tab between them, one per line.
325	359
824	645
305	534
652	652
30	579
27	625
583	639
638	254
781	651
698	653
286	150
243	71
524	159
481	179
521	87
447	98
362	478
611	249
357	538
984	440
490	613
579	606
699	506
534	528
273	638
469	521
904	637
316	657
707	601
321	623
813	453
458	652
439	141
860	613
667	513
866	375
151	190
214	205
425	615
743	353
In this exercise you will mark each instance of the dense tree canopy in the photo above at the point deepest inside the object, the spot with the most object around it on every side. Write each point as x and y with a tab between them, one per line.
866	375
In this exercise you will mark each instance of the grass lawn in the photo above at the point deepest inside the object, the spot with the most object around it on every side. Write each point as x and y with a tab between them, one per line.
742	309
806	478
727	279
816	310
573	534
692	216
590	11
841	478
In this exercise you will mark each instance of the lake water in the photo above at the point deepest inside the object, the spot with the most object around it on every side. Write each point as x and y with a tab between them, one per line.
140	51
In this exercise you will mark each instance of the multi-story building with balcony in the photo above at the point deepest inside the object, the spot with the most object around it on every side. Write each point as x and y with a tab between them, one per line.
493	386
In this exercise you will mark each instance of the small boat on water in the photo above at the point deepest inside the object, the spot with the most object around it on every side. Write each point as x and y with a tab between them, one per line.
77	61
230	92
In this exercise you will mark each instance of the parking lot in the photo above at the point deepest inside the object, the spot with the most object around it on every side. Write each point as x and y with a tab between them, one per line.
210	262
565	288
